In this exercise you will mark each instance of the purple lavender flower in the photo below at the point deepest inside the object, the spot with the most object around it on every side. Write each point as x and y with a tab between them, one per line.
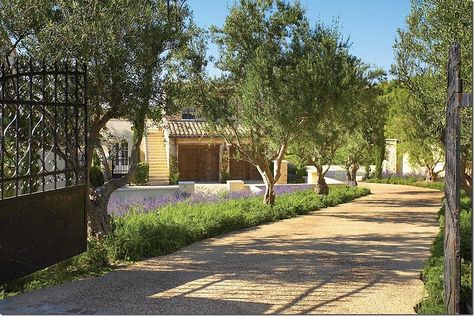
119	207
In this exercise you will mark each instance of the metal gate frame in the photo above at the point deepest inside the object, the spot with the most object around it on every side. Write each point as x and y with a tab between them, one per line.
43	165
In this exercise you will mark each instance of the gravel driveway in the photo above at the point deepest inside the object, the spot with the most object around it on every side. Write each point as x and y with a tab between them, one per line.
360	257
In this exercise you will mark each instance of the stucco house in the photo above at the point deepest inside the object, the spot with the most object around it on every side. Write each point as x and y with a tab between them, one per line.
180	144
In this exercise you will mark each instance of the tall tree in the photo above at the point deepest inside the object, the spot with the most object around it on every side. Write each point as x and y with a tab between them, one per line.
256	105
332	80
135	51
421	51
366	136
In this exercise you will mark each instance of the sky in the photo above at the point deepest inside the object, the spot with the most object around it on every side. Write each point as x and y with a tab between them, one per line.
370	25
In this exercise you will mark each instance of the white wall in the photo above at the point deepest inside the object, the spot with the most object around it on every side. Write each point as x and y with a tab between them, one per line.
140	192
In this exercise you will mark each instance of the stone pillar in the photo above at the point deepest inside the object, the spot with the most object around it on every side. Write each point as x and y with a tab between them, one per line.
312	174
393	165
186	187
235	185
283	171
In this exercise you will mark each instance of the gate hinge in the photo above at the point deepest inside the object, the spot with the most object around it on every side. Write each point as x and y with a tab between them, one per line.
466	100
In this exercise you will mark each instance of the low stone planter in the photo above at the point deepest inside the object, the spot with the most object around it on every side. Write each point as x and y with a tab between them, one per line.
129	192
186	187
235	185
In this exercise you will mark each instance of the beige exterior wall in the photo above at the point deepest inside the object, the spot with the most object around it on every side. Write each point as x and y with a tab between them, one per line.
157	156
399	164
122	129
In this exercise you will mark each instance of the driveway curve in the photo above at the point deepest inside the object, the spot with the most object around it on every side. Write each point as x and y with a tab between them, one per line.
361	257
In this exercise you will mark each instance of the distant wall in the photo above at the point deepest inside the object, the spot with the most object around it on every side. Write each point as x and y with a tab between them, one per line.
399	164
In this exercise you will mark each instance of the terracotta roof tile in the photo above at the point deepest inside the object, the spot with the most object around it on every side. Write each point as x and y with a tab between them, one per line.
188	128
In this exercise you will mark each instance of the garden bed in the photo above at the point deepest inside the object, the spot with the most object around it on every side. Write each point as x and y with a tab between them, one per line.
432	275
409	180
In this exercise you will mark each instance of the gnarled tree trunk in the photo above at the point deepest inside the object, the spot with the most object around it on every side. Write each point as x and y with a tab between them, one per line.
367	172
354	168
321	185
268	177
269	197
431	175
98	219
269	181
351	173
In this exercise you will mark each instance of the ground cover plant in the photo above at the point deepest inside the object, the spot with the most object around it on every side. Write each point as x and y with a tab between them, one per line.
120	207
138	234
144	234
409	180
432	275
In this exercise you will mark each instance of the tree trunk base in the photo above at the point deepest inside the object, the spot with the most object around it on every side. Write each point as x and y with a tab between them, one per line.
269	197
431	176
321	187
99	221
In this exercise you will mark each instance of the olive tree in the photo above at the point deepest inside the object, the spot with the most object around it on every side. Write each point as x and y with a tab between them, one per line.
421	51
332	80
366	129
403	125
138	54
256	106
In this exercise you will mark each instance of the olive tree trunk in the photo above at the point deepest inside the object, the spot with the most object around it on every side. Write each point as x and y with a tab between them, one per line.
321	185
265	170
354	169
269	197
351	173
99	221
431	175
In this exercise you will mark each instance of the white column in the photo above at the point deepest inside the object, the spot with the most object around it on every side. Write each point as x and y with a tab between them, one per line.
312	174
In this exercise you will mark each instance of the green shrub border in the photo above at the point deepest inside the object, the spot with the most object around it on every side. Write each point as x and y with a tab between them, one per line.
438	185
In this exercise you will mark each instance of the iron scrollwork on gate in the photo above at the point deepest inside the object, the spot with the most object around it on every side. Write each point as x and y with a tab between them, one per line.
43	169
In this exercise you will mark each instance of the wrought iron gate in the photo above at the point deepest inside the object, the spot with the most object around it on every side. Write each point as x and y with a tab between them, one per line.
43	169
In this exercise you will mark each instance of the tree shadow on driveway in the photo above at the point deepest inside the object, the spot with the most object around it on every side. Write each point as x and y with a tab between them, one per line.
251	276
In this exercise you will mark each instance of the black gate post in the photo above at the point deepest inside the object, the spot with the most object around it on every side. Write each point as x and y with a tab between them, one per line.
452	242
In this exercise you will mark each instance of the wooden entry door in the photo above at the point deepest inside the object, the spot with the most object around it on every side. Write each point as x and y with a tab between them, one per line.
242	170
198	162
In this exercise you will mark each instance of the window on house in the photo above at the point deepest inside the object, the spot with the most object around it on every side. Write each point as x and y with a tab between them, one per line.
121	153
188	114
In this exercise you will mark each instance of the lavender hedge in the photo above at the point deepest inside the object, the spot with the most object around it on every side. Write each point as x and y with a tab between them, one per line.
119	207
139	234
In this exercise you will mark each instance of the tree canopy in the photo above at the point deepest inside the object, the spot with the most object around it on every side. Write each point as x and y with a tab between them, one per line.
138	55
421	51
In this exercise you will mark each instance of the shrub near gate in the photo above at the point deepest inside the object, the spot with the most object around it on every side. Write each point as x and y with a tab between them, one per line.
432	275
